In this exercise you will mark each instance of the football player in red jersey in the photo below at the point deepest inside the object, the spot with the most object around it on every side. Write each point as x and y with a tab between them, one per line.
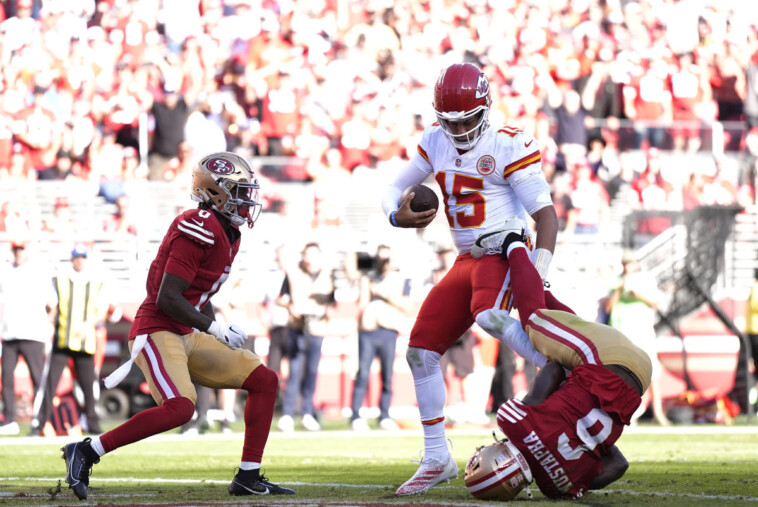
566	427
485	175
175	339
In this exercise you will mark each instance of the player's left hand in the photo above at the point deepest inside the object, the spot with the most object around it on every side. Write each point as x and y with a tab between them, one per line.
235	337
405	217
230	335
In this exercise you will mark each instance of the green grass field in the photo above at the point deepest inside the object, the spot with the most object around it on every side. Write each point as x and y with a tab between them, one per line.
699	465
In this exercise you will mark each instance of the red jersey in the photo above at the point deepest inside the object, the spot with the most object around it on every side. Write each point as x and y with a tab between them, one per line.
564	437
197	249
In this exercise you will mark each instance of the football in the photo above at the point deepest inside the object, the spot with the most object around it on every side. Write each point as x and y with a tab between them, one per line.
425	198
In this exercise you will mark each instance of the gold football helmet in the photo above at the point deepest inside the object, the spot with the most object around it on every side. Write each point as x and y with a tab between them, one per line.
497	472
226	183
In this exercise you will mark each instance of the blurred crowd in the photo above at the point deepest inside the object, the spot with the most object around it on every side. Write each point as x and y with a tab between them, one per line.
129	90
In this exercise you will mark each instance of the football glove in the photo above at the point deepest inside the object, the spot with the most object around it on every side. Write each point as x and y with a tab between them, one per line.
230	334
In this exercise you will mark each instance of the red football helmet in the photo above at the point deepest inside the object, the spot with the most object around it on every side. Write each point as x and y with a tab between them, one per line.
497	472
461	93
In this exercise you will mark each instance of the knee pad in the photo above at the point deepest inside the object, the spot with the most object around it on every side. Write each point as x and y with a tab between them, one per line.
423	362
181	408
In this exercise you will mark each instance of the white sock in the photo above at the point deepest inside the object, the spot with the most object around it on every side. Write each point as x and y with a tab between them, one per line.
508	330
430	396
97	446
515	244
249	465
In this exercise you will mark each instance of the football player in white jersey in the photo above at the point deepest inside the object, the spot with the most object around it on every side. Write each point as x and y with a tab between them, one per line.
486	175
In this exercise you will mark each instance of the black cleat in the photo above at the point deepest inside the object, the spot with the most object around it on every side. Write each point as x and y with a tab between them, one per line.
78	467
257	484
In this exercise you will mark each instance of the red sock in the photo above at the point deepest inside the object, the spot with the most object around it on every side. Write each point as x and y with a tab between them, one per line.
528	292
172	414
553	304
261	388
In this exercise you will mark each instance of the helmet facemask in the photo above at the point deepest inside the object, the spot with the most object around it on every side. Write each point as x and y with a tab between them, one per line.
466	140
241	205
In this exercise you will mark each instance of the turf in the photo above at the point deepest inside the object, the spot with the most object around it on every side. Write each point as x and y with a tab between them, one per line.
684	466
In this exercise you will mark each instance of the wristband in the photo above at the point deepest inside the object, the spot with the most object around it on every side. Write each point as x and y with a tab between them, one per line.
542	258
392	219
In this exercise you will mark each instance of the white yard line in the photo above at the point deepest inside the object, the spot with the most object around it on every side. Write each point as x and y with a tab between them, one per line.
663	494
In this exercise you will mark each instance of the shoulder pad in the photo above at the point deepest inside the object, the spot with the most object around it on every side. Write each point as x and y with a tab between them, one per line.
196	227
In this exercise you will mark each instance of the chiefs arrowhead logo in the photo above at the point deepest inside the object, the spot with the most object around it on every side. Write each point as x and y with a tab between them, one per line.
482	86
220	166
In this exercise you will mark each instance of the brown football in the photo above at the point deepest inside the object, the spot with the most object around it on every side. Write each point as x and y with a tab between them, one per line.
425	198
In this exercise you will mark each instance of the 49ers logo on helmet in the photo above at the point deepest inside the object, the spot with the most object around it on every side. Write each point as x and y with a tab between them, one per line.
220	166
482	86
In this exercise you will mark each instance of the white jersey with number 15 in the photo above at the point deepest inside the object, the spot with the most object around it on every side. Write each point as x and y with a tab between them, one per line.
499	178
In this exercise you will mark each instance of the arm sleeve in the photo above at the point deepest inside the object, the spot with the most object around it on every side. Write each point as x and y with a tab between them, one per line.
413	173
185	258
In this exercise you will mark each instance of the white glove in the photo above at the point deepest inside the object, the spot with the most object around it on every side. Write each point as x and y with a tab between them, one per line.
230	335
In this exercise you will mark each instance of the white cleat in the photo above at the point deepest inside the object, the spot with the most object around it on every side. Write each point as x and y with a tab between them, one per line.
491	243
360	425
286	424
429	473
310	423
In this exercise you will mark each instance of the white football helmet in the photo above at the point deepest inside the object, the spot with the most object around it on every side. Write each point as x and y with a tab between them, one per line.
497	472
226	183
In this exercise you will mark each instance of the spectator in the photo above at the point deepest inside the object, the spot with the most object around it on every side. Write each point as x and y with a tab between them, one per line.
601	97
632	307
728	82
203	131
179	168
62	170
278	316
62	220
381	319
691	94
751	92
24	326
310	288
647	101
170	114
589	202
39	132
571	136
79	304
121	220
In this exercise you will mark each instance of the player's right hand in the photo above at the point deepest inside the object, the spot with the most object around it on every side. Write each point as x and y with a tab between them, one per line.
405	217
230	334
